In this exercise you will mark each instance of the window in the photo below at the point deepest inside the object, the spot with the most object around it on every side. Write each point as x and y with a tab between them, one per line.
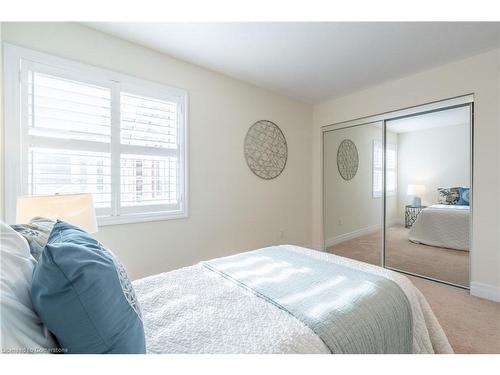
79	129
378	166
391	179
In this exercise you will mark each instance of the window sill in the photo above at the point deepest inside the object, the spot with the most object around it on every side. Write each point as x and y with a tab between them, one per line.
140	218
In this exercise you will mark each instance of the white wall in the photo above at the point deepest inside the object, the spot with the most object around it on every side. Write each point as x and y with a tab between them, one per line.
479	75
231	209
438	157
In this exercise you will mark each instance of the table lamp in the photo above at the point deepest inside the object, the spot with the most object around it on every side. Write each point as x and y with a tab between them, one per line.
75	209
416	191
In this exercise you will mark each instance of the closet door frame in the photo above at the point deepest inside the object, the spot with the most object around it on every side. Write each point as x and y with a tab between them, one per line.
436	106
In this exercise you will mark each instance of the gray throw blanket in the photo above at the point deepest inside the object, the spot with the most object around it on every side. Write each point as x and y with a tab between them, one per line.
350	310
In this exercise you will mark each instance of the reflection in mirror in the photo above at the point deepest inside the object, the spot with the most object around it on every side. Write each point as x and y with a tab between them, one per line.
427	189
353	180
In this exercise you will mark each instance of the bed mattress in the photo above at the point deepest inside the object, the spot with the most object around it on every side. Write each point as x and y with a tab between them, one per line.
443	226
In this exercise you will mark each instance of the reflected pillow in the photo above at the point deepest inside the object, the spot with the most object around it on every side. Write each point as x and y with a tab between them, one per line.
82	293
464	196
448	195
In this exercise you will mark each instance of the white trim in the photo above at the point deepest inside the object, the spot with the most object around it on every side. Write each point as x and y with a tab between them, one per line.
485	291
93	73
17	58
351	235
12	167
141	217
115	156
65	144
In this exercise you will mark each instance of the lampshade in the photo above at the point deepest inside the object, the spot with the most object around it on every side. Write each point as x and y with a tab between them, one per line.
75	209
416	189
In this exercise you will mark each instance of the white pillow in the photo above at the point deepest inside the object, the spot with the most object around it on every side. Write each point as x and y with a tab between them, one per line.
22	329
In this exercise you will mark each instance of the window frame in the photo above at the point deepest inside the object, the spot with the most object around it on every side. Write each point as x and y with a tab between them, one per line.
16	130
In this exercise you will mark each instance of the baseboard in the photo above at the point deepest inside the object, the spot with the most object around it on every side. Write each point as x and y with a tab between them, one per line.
485	291
349	236
358	233
391	223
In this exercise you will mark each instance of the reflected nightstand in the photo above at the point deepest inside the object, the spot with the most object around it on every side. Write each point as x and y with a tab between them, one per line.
411	214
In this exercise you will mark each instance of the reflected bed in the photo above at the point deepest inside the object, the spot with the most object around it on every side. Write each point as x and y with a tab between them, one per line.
443	225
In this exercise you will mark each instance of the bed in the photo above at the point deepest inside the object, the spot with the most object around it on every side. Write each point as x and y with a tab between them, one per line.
443	225
278	299
213	307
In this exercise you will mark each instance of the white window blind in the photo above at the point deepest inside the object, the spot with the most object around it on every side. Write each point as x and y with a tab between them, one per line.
52	171
87	130
149	179
60	109
66	109
391	168
148	122
378	167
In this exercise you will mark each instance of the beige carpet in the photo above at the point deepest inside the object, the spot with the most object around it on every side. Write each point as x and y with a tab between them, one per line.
472	324
436	262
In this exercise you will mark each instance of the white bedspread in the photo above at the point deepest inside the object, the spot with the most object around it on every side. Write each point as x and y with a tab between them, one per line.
194	310
444	226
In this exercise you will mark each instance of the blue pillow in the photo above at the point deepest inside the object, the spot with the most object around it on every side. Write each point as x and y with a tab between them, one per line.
464	196
83	295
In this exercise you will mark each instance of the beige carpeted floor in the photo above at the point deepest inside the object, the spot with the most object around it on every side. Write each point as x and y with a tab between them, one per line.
436	262
472	324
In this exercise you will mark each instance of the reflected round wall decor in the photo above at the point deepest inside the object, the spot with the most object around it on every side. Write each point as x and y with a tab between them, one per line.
265	149
347	159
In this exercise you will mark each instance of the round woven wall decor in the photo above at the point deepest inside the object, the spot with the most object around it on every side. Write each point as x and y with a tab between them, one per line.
347	159
266	150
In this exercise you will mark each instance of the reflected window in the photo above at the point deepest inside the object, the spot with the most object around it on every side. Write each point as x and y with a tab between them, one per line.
378	167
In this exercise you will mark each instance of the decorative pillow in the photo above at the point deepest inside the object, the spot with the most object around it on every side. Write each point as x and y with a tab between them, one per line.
464	196
22	329
82	293
36	233
448	195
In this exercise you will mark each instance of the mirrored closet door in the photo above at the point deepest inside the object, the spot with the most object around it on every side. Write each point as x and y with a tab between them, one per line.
352	193
428	180
397	190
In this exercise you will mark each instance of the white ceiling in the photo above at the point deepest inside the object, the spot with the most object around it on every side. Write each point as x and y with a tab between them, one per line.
449	117
312	61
